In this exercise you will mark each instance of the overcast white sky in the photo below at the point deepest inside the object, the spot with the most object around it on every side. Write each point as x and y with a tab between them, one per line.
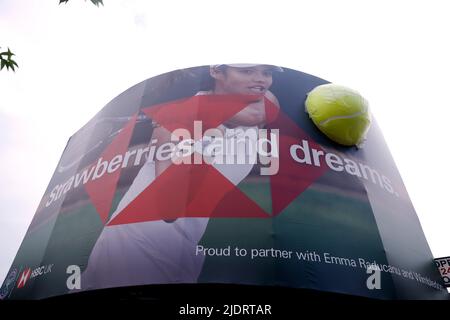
74	58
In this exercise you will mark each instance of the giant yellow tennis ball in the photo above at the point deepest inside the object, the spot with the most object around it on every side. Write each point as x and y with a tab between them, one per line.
341	113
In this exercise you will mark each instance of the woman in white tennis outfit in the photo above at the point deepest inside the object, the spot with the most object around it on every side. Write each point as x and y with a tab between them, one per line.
161	251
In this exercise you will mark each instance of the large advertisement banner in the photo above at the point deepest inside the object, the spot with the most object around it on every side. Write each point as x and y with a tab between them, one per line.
216	174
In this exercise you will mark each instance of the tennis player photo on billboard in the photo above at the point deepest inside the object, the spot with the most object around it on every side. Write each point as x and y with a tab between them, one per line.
247	174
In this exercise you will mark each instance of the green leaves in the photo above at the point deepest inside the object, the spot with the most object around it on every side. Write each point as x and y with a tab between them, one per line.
7	61
96	2
6	56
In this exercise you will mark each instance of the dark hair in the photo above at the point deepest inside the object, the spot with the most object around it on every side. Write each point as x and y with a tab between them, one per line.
177	84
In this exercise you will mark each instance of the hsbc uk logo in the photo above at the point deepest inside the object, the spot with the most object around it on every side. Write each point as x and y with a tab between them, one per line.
29	273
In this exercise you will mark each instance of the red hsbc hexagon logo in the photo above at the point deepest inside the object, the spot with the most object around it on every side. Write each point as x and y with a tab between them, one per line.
216	196
23	278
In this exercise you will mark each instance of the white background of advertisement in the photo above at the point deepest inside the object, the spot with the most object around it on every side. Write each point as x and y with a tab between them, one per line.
74	58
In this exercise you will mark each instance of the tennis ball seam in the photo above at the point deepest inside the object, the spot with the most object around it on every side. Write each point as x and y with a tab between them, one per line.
349	116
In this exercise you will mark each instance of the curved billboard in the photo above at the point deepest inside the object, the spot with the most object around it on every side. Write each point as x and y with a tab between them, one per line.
215	174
